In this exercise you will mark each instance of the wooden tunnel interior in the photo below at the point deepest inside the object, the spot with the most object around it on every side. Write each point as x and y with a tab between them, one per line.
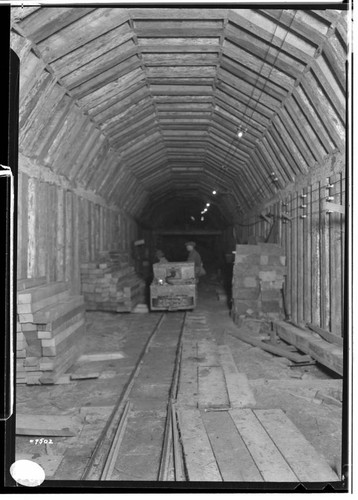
130	119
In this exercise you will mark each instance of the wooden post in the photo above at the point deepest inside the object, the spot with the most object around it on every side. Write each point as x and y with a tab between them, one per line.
68	218
335	260
60	243
301	229
325	256
293	265
19	224
31	219
307	277
101	228
343	249
89	231
76	278
81	229
42	210
93	230
315	254
97	228
53	232
288	281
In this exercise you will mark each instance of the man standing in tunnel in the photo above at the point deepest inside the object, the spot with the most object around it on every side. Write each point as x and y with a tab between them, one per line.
194	256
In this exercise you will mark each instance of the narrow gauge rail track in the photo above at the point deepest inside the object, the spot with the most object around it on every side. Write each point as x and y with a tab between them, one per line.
103	459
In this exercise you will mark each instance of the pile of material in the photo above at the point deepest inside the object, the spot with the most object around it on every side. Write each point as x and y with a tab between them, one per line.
50	325
258	275
110	284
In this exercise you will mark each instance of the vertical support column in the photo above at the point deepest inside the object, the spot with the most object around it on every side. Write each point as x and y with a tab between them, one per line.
20	223
293	264
76	278
278	222
315	254
301	228
52	268
60	243
42	210
68	218
343	249
97	229
325	268
31	219
81	230
86	229
287	237
307	274
25	225
93	231
335	243
101	227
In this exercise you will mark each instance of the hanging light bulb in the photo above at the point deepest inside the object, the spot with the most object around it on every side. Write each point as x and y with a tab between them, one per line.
214	192
240	131
208	204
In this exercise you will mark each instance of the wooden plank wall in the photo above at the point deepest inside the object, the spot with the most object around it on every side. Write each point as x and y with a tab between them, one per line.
314	243
58	230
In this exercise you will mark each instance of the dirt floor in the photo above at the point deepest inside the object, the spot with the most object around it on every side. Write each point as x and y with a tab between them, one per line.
89	402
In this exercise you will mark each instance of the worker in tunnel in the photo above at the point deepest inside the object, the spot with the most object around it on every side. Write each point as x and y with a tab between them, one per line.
160	257
195	257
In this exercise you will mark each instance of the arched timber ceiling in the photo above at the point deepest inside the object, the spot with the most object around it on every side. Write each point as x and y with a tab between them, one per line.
143	105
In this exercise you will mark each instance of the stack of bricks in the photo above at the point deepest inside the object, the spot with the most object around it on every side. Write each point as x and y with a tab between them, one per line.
50	326
111	285
258	277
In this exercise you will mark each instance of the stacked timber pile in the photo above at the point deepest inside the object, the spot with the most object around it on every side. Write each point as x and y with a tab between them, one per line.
50	325
258	275
110	284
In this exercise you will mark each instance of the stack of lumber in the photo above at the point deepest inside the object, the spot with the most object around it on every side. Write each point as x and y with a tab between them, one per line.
111	285
258	275
50	325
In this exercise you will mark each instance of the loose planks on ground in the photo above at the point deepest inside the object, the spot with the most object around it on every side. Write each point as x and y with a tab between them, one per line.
212	388
232	456
199	458
249	446
302	457
238	387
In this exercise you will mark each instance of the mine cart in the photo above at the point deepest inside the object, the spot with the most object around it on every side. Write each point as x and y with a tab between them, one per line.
173	287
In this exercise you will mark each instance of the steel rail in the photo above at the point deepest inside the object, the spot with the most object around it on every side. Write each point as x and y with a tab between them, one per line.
169	446
97	463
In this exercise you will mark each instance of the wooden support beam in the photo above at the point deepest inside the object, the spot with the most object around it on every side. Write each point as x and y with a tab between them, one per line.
31	221
45	22
313	122
317	100
94	49
82	31
330	337
327	354
246	336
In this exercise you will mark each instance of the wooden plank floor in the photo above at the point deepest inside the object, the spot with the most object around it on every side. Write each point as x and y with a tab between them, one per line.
246	445
209	377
